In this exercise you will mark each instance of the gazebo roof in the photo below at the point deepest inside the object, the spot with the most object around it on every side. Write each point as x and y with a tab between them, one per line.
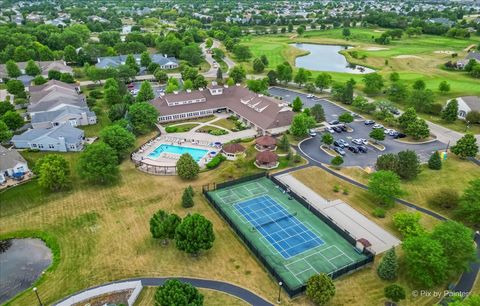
234	148
266	141
266	157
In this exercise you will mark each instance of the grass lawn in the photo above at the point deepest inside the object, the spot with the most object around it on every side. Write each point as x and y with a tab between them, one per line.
351	289
455	174
208	128
225	123
200	120
184	127
210	298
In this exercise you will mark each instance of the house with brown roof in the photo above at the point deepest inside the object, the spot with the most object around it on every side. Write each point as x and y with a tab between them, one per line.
268	116
266	160
265	143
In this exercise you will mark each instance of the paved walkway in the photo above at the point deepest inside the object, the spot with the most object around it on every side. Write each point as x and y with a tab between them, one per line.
236	291
467	279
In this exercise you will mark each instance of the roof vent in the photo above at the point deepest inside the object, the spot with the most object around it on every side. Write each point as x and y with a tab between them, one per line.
214	83
189	90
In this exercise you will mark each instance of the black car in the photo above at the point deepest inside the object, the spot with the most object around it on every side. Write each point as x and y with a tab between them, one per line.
395	111
333	122
399	135
343	128
338	144
353	149
339	151
337	129
362	149
369	122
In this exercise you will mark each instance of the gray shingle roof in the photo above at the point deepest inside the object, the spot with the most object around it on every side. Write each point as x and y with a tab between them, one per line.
9	158
66	131
473	102
52	115
114	61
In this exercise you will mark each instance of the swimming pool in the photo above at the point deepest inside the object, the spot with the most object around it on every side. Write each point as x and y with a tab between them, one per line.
197	154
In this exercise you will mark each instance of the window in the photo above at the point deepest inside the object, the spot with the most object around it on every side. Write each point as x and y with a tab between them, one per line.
40	146
34	145
51	146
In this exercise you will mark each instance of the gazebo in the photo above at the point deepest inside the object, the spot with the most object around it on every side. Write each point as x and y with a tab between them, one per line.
266	160
233	151
265	143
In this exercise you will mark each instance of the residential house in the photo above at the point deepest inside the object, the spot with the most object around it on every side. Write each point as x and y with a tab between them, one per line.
471	55
62	138
11	164
55	103
114	61
467	104
264	114
45	67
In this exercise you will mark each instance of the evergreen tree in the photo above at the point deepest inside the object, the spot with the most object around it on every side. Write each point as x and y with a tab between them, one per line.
187	167
394	292
176	293
388	267
145	93
219	74
132	63
264	60
145	59
297	104
318	113
258	65
284	144
164	225
195	233
466	146
450	112
12	69
187	200
408	164
435	162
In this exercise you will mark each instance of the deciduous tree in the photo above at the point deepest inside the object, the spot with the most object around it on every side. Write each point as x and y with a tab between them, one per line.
450	112
174	292
394	293
469	208
142	116
187	167
145	93
297	104
98	164
320	289
408	223
118	138
323	80
32	69
385	187
53	172
466	146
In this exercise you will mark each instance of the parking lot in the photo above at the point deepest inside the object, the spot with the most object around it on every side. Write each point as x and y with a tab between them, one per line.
311	147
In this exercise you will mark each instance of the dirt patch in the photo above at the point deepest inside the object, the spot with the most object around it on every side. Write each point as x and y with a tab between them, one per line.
376	49
117	297
406	56
469	48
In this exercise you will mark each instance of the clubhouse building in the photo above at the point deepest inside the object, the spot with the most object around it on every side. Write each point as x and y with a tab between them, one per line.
268	116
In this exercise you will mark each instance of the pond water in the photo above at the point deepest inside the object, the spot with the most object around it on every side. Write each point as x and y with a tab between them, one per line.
327	58
21	264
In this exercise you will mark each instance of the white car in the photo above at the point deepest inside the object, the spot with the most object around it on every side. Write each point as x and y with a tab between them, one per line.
364	141
377	126
309	96
357	141
312	133
388	131
330	130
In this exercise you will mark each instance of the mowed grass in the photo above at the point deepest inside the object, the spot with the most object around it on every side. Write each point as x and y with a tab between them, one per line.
455	174
210	298
423	63
352	289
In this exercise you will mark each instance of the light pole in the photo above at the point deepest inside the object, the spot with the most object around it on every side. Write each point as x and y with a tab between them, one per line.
38	297
279	291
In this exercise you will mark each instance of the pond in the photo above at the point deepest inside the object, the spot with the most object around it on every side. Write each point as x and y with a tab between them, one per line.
22	261
327	58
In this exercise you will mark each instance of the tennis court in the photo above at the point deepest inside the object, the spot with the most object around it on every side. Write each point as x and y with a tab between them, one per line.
286	236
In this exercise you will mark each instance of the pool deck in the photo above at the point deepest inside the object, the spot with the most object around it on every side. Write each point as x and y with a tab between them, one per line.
170	159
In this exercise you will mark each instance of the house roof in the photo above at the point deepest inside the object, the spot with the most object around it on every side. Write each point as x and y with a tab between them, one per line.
265	112
266	141
473	55
70	133
45	67
473	102
266	157
233	148
52	94
9	158
114	61
51	116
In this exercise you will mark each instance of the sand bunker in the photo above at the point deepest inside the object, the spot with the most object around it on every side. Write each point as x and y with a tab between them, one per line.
376	49
444	52
407	56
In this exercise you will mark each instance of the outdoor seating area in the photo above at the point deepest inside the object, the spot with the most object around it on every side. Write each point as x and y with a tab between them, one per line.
159	155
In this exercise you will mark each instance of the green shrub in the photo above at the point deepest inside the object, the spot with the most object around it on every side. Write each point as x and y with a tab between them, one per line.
216	161
217	132
171	129
91	101
379	212
96	94
336	188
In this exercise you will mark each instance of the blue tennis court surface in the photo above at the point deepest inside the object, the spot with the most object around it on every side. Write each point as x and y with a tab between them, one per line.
282	229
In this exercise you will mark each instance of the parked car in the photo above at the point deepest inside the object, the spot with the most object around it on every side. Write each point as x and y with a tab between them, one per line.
339	144
388	131
377	126
353	149
333	122
355	115
339	151
357	141
337	129
312	133
330	130
309	96
392	133
399	135
364	141
362	149
395	111
369	122
343	142
343	127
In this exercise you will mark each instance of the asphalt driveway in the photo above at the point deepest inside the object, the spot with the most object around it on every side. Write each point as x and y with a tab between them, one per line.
311	146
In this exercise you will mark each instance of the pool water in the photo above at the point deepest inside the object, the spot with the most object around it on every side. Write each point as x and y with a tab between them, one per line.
197	154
